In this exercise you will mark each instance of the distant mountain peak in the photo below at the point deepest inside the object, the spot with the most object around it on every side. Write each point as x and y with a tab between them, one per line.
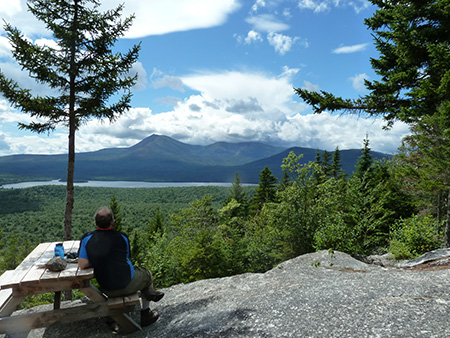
162	158
152	139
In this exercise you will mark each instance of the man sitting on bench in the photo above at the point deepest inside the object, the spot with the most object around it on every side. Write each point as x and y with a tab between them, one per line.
108	252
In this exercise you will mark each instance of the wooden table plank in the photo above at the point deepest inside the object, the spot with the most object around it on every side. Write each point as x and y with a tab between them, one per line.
69	272
31	277
50	286
23	268
72	269
9	276
86	273
10	304
36	271
31	270
71	246
31	321
48	276
35	255
5	295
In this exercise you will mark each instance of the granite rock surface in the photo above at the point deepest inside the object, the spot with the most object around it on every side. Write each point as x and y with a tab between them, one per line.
322	294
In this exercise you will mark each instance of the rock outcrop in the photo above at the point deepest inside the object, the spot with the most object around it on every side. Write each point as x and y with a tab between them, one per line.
320	294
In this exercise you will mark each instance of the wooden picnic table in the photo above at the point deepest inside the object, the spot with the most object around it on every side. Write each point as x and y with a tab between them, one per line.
31	278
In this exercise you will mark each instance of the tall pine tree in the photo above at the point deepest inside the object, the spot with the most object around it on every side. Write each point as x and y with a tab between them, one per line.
365	161
336	166
326	165
83	70
412	38
266	191
238	193
115	208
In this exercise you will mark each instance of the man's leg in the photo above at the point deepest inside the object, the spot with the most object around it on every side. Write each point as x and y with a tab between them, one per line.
142	281
147	316
149	291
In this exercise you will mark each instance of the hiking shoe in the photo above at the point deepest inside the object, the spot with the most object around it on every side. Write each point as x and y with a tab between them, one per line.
152	294
148	317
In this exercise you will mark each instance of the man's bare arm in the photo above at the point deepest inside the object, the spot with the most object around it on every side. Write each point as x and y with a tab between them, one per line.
83	263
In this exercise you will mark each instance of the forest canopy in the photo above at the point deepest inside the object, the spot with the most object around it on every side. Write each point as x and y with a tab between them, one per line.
187	234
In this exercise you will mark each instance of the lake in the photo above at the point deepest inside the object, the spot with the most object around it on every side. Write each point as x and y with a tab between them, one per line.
119	184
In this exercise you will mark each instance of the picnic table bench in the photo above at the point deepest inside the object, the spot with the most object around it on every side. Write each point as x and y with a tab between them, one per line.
31	278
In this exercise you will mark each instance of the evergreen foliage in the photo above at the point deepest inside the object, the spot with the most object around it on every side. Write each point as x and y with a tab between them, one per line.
195	248
83	69
326	164
415	235
412	38
266	191
188	234
365	161
115	208
156	226
237	201
424	160
336	166
285	181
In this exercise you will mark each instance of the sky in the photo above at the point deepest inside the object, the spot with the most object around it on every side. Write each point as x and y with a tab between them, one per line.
221	70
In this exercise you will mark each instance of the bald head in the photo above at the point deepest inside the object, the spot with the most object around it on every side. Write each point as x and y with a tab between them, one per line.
104	218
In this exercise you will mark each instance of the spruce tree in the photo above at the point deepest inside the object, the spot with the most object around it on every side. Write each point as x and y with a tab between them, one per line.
238	193
326	165
365	161
266	191
83	70
115	208
156	224
284	182
425	167
412	38
318	157
335	168
136	249
318	174
413	84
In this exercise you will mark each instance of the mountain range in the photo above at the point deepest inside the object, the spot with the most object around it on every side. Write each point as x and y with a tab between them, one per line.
163	159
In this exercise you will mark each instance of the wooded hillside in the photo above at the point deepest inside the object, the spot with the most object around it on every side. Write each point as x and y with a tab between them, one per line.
162	159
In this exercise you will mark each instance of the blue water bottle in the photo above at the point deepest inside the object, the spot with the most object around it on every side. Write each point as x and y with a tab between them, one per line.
59	250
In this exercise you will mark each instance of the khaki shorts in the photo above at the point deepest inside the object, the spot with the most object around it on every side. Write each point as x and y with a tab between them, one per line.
142	279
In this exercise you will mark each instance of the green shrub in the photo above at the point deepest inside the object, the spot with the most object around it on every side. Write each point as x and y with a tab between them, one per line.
412	237
334	234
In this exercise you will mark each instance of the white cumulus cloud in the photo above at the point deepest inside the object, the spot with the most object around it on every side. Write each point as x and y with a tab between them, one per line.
138	68
5	47
358	81
267	23
289	72
316	6
240	107
162	17
350	49
160	80
258	4
253	36
11	7
311	87
151	17
282	43
319	6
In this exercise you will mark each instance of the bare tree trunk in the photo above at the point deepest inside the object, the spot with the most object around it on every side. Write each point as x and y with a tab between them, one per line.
447	222
70	190
72	128
439	211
